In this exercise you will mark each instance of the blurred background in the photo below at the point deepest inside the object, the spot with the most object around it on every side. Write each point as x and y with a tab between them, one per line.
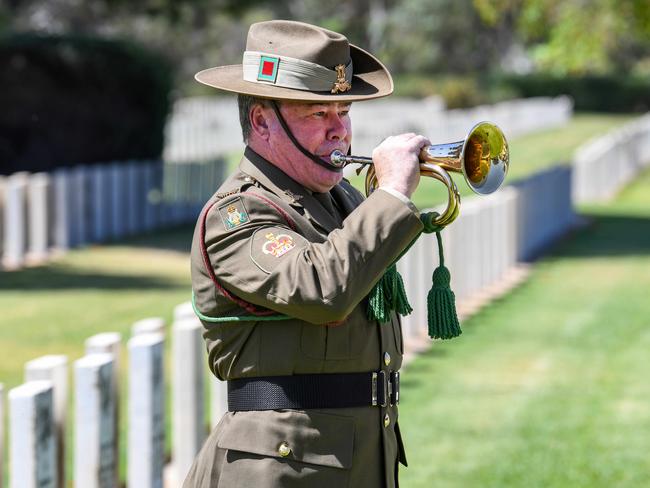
109	148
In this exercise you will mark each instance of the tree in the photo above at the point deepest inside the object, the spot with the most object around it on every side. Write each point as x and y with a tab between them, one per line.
577	36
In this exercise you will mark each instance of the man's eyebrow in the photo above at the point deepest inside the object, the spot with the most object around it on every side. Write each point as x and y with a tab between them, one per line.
321	104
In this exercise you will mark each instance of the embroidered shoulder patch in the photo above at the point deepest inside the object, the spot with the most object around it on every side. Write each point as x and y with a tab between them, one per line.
233	214
270	244
277	245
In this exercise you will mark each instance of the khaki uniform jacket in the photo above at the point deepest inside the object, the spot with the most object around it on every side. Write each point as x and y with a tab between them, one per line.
270	244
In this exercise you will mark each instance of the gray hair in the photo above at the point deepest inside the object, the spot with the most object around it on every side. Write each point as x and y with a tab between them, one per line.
246	103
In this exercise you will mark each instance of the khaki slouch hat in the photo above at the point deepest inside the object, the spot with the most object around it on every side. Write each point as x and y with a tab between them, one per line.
288	60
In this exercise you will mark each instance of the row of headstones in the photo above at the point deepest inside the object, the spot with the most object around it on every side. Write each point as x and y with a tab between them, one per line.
489	238
603	166
37	410
47	212
203	127
492	234
514	117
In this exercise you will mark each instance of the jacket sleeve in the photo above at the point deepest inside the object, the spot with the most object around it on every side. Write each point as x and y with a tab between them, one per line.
266	262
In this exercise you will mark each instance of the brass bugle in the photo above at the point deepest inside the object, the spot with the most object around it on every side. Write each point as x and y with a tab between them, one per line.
482	157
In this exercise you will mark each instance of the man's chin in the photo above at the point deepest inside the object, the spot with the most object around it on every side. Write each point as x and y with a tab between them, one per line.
325	182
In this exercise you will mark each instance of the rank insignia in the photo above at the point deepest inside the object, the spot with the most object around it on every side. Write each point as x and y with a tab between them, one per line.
268	70
233	214
277	245
270	243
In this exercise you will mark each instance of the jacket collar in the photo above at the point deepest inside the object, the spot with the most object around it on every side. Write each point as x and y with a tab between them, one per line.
289	190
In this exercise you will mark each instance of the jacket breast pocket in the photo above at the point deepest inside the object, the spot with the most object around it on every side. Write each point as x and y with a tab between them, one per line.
287	449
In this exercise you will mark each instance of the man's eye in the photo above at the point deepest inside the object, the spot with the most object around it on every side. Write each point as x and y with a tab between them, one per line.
318	114
344	113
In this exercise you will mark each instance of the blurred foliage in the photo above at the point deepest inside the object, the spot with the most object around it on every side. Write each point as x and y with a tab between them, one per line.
73	99
457	43
577	36
458	91
411	36
597	93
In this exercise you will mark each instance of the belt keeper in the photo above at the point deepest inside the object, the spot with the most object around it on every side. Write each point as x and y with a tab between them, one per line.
394	384
377	394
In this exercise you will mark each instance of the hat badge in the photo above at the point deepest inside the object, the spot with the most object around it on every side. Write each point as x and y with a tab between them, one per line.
341	85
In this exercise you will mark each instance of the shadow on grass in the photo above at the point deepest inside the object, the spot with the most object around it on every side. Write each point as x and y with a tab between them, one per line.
608	236
175	239
55	278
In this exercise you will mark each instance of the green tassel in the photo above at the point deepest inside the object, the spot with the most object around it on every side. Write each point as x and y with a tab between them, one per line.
441	302
388	295
402	306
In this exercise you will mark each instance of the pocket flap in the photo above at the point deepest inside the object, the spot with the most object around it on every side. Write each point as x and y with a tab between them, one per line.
314	438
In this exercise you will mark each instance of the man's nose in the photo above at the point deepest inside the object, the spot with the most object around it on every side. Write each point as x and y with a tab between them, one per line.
338	129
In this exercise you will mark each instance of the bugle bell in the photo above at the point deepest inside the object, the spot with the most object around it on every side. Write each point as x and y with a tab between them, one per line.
482	157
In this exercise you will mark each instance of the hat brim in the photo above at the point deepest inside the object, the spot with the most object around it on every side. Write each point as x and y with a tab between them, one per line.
370	80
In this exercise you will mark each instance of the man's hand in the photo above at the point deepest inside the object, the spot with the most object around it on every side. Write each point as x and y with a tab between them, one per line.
397	163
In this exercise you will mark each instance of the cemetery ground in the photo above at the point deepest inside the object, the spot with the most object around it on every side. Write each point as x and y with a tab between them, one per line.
52	309
549	385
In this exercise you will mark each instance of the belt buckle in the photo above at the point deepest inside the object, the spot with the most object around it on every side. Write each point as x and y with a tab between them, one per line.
386	388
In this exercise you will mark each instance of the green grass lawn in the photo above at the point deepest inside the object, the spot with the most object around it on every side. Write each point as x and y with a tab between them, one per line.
52	309
549	386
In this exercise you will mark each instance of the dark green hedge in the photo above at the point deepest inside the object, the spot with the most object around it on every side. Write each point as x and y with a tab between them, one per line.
590	93
68	100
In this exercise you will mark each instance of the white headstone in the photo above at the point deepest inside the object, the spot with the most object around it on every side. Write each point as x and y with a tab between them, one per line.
100	194
153	194
33	447
133	190
61	214
184	311
39	216
2	435
15	220
118	200
106	342
79	210
146	438
188	376
54	368
110	343
3	185
218	401
151	325
95	464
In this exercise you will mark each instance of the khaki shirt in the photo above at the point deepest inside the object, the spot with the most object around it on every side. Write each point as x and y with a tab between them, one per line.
263	243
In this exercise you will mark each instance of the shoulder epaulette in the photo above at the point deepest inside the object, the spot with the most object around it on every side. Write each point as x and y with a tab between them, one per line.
248	181
223	195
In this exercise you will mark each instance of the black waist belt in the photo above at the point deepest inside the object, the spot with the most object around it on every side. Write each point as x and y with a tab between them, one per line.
305	391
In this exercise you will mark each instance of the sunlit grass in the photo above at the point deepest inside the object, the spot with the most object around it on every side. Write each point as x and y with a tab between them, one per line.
548	387
52	309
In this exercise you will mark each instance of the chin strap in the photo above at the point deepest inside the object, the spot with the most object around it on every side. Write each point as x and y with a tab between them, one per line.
311	156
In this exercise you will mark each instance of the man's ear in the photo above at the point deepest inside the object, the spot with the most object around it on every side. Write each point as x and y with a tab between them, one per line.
259	119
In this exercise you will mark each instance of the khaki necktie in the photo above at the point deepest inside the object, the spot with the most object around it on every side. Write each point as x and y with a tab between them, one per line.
325	199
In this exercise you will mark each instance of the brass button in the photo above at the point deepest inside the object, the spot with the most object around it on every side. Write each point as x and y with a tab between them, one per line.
386	358
284	450
386	420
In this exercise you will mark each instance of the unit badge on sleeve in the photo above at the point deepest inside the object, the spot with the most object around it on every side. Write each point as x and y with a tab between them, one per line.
233	214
